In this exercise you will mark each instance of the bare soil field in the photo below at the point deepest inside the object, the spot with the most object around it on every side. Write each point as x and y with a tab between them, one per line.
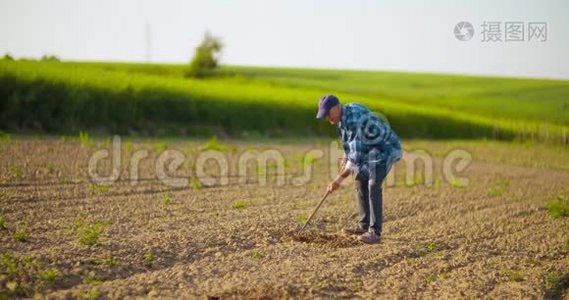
62	236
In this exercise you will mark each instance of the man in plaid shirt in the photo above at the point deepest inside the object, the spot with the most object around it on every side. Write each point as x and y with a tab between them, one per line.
370	150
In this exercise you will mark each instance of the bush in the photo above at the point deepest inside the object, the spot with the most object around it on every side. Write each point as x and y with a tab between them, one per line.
205	58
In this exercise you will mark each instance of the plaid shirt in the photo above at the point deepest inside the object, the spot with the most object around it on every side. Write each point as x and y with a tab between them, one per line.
367	140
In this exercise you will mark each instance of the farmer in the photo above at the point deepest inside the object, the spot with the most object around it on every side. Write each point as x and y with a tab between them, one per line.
370	150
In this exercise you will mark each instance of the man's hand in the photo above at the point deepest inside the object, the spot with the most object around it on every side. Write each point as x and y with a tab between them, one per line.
334	185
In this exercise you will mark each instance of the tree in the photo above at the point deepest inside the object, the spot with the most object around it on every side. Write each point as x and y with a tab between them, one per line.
206	57
7	56
52	58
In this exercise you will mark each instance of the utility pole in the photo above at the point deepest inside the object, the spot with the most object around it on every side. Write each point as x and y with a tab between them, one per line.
148	39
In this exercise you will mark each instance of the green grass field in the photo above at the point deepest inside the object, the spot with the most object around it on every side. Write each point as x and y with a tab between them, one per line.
69	97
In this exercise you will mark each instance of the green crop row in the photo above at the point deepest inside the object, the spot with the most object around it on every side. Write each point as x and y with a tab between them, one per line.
156	99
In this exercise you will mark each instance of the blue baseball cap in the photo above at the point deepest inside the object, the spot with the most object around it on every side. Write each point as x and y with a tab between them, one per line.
325	104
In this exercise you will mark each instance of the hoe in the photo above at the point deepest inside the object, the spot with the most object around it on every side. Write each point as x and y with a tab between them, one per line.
314	211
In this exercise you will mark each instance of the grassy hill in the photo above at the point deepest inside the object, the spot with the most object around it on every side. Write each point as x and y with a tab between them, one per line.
157	99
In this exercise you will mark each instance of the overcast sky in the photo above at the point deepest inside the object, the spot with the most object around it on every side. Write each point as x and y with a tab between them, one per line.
398	35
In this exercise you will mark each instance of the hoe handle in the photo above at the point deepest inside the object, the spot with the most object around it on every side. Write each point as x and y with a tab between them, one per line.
314	211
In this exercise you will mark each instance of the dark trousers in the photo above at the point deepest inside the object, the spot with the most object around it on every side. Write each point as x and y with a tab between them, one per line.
370	197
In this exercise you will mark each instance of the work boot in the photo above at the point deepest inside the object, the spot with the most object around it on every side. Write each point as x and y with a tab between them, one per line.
355	230
370	237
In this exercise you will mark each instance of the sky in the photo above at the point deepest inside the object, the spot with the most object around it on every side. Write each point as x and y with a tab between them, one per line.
409	36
